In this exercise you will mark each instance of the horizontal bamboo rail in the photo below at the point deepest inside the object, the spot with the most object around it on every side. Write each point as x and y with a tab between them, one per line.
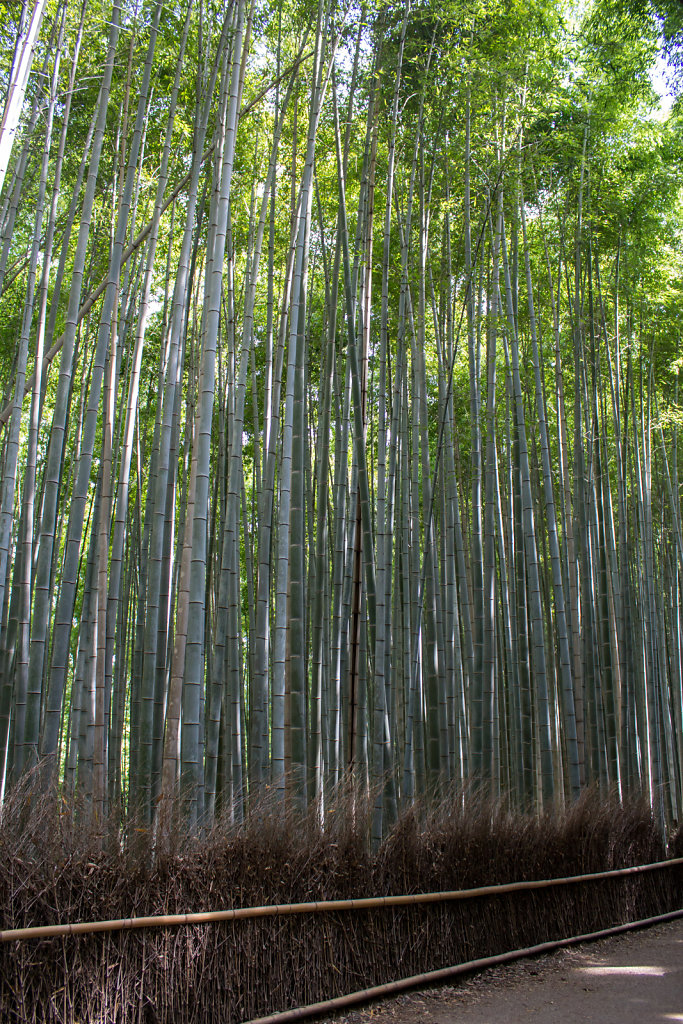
320	906
392	988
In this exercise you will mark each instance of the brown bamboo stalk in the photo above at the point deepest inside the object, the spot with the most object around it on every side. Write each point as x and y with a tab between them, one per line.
392	988
318	906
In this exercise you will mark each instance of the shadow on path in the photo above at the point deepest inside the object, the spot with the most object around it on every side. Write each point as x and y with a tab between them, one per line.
636	978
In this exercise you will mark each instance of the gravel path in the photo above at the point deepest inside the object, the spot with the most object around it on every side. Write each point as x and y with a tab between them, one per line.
636	978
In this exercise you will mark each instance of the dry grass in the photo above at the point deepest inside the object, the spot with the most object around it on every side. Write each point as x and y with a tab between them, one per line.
52	870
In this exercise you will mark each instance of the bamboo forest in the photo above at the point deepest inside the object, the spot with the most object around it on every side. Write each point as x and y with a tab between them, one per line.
339	364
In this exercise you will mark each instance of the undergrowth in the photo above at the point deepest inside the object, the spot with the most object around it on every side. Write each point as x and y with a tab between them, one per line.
56	869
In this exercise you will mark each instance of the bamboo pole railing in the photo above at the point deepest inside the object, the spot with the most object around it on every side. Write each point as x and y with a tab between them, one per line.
316	907
429	978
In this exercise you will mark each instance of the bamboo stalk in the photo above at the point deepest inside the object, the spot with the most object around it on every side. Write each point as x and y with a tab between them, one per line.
320	906
470	966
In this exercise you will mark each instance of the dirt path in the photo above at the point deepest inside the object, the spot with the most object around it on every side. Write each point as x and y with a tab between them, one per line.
636	978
